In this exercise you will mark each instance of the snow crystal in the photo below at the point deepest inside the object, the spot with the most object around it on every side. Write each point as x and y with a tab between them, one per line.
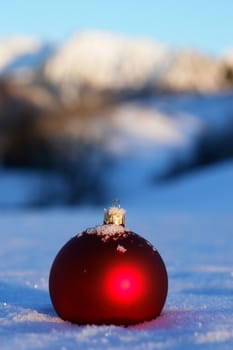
80	234
109	231
121	249
218	336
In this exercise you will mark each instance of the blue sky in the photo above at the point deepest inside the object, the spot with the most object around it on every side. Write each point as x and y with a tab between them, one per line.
206	25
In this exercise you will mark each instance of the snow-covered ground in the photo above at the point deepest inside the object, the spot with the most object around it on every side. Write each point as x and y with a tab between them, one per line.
189	221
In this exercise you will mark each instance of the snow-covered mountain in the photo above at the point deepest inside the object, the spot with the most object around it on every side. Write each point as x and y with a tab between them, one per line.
194	71
22	55
105	61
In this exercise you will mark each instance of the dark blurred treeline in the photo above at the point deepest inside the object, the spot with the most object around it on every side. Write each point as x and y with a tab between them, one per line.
62	140
213	144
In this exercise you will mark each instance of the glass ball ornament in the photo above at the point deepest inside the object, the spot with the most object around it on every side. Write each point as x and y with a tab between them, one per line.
108	275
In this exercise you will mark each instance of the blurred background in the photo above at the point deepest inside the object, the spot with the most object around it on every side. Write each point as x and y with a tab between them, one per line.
116	99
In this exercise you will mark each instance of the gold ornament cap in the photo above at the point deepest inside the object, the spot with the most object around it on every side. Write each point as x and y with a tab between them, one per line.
115	214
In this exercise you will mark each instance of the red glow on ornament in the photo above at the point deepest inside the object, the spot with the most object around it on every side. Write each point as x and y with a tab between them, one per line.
125	284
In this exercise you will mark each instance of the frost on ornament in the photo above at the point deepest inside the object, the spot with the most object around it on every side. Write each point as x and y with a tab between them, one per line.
108	275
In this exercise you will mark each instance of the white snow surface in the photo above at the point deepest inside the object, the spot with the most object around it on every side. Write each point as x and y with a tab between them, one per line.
189	222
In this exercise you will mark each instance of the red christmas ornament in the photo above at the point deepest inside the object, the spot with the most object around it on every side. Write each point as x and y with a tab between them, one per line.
108	275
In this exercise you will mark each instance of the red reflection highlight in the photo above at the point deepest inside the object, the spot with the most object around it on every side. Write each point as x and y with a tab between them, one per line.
125	284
